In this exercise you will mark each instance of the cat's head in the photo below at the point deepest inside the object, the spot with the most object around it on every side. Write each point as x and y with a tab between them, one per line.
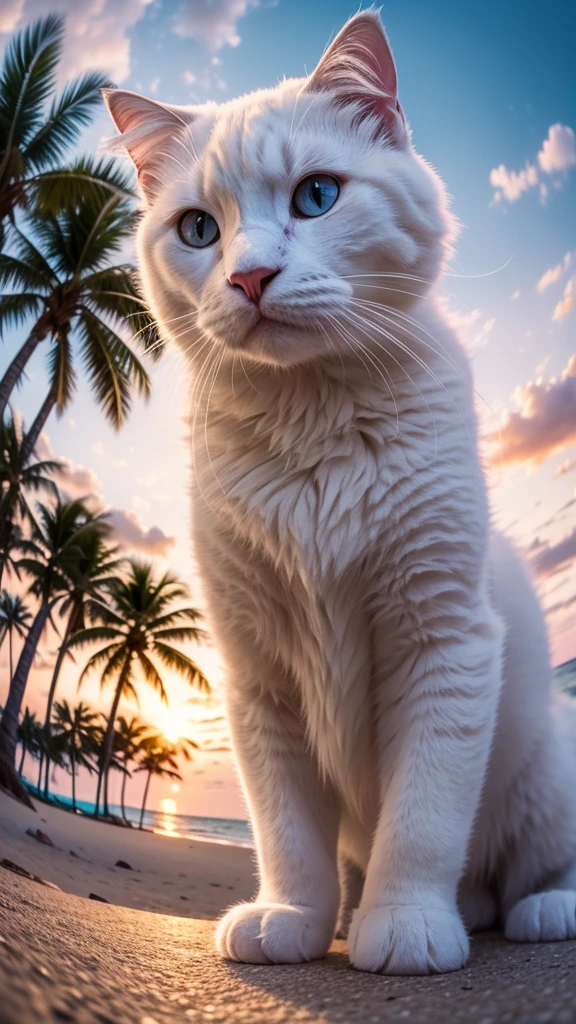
278	224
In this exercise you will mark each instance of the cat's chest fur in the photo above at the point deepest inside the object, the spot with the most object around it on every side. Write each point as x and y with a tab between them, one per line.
318	491
317	478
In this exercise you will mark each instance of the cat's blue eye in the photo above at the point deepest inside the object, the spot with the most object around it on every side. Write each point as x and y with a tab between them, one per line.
198	229
315	195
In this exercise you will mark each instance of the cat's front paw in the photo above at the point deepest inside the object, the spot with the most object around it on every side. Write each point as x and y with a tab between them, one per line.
273	933
404	939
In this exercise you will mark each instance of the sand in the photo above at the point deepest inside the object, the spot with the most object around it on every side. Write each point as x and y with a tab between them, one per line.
68	959
64	959
183	877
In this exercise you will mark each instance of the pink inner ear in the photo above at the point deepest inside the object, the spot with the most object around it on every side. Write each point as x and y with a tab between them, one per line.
359	67
368	46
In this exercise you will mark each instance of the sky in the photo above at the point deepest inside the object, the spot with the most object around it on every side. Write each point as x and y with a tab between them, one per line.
489	89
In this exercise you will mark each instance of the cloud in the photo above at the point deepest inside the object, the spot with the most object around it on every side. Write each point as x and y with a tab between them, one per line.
554	557
480	339
76	480
130	532
212	22
554	274
511	184
189	77
10	13
544	423
515	295
128	529
558	151
566	303
567	467
96	31
561	605
557	155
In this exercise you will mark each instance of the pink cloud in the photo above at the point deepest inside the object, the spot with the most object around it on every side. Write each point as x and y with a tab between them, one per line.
130	532
552	558
544	423
558	151
550	277
511	184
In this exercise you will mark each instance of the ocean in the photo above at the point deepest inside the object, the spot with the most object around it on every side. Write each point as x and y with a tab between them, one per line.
566	676
235	831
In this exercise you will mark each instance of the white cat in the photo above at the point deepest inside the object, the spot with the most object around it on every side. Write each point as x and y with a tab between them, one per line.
389	685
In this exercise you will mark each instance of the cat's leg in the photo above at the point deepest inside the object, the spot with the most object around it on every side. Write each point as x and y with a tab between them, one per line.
436	724
351	885
295	819
546	916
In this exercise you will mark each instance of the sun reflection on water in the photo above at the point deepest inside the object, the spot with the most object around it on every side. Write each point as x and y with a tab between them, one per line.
167	825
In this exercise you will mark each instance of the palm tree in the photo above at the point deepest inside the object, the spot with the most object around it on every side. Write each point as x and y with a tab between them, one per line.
91	573
37	127
63	280
128	739
160	761
29	735
139	625
54	549
18	478
73	737
14	618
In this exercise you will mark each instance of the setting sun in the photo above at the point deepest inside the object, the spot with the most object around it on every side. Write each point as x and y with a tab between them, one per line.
171	724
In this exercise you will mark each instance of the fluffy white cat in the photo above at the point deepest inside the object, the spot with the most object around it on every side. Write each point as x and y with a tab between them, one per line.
389	685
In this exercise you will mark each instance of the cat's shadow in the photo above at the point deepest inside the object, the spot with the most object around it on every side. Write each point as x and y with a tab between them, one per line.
330	990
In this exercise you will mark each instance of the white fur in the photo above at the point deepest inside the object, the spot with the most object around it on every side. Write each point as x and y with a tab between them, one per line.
389	686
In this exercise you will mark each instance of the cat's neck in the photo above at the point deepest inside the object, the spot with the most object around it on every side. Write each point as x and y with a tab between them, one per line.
419	374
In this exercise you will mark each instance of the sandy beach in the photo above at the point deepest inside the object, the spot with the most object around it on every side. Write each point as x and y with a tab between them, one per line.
181	877
65	958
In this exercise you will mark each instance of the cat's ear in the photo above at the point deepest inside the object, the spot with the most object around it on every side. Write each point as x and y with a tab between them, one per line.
358	67
146	128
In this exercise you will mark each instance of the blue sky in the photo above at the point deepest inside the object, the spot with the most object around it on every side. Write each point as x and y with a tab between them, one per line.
489	89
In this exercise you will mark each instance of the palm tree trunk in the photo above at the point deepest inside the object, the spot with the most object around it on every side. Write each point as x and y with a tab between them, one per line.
123	793
144	799
98	790
40	771
18	364
9	724
22	759
32	435
10	653
109	734
73	767
50	701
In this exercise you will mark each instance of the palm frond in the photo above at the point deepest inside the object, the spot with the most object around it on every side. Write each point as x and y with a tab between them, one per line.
28	78
181	663
69	113
61	372
20	274
85	179
97	659
30	254
112	368
92	635
17	308
152	675
181	634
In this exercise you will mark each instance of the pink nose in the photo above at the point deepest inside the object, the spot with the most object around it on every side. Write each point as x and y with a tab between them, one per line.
253	282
